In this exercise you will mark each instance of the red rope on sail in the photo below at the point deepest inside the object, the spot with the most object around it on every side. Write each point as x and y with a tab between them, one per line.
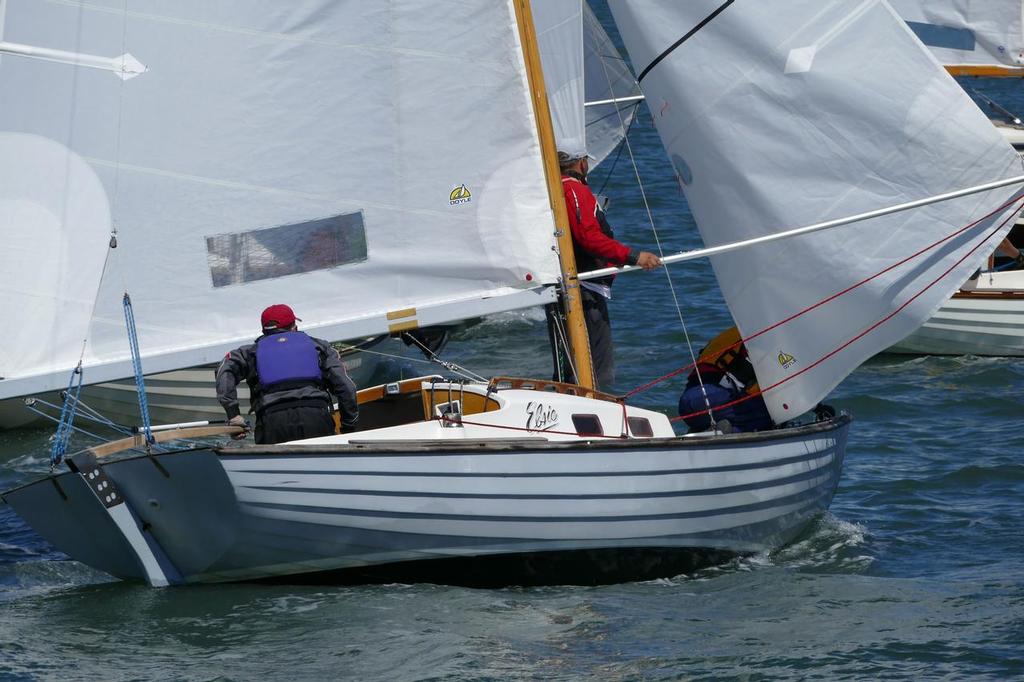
877	324
852	287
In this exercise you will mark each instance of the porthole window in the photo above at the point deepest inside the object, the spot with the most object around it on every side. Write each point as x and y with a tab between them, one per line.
640	427
587	425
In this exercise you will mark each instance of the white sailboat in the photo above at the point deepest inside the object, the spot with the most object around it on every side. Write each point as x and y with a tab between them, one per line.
185	395
970	38
516	480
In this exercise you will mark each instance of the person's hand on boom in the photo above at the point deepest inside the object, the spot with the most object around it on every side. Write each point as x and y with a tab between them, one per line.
648	261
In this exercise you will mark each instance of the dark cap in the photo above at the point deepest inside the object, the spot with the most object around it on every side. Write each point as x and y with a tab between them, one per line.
278	316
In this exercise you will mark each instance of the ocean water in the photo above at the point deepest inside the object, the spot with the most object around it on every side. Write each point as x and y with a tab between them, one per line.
915	573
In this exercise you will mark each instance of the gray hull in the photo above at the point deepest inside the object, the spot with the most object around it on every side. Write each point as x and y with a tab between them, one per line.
265	512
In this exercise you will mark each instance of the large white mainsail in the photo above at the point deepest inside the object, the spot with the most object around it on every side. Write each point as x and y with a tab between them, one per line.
972	37
375	165
785	113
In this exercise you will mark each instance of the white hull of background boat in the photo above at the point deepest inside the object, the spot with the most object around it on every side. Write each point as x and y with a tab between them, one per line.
515	489
635	509
184	395
986	318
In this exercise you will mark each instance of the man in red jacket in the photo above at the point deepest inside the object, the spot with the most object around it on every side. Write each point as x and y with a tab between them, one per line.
596	247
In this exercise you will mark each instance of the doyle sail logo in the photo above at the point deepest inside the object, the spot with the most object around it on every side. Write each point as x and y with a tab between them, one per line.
786	360
460	195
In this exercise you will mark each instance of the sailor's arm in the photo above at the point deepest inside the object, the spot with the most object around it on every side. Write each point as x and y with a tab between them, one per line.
588	233
1007	247
231	370
340	384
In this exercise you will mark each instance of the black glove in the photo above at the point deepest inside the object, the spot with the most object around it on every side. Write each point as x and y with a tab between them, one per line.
1020	259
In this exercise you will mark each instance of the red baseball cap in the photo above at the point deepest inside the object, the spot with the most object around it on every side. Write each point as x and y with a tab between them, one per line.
278	316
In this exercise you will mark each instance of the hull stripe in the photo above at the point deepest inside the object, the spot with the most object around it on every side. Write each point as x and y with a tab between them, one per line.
238	467
811	493
815	473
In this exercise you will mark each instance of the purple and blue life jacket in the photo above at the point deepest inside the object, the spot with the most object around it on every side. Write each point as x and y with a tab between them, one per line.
287	360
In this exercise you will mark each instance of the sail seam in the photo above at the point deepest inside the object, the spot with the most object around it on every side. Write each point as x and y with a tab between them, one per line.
692	32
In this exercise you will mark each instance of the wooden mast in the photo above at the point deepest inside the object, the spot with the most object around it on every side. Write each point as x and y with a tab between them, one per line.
577	327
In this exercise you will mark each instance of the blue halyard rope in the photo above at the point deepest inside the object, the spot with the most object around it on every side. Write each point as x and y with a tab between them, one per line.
140	385
67	416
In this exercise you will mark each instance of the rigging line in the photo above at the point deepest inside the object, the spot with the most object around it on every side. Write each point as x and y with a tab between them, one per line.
657	239
65	425
84	412
355	350
867	331
682	40
618	152
612	113
444	363
562	338
140	383
450	366
1002	207
78	429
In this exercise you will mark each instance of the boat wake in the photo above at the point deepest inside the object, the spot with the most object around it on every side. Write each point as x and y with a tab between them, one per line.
831	545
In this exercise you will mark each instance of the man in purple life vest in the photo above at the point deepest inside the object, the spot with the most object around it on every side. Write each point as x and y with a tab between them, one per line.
291	377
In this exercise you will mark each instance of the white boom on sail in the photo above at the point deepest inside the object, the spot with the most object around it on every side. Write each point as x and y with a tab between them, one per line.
378	167
972	37
772	117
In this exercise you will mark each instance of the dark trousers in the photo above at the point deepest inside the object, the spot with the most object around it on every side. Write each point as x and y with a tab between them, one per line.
293	421
599	330
599	334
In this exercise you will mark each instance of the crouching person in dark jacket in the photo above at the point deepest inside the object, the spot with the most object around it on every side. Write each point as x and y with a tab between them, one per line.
291	378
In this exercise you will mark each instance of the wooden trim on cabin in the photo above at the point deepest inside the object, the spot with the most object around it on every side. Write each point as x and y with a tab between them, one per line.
551	386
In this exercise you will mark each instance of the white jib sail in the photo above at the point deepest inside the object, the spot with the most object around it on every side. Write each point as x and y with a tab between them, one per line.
607	78
971	33
371	164
783	113
581	65
559	25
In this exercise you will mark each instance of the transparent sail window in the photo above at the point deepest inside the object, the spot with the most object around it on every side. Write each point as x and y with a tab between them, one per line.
946	37
240	257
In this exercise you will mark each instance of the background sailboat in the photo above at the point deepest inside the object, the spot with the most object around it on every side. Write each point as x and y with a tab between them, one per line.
983	39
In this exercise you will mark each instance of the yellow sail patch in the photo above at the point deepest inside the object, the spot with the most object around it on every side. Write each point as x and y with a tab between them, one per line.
460	195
